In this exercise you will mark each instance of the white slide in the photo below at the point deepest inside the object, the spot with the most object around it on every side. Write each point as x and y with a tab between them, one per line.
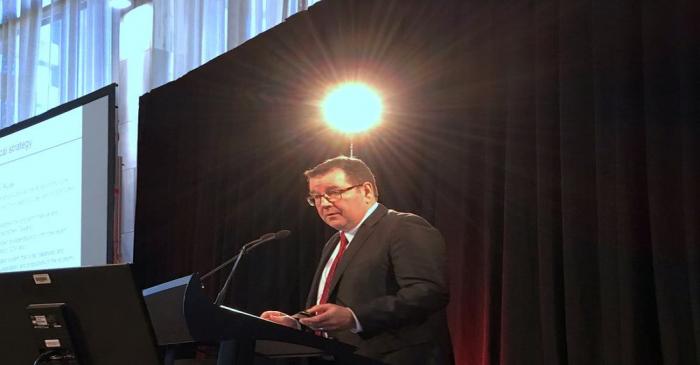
54	191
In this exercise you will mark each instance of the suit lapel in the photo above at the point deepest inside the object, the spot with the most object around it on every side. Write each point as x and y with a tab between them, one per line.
354	247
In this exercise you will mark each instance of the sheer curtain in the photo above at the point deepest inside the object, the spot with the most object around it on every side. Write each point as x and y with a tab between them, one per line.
18	41
52	52
183	35
187	34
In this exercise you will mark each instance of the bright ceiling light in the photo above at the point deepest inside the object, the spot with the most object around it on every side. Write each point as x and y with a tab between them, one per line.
352	108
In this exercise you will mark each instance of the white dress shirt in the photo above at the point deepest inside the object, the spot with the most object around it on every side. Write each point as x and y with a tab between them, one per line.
349	235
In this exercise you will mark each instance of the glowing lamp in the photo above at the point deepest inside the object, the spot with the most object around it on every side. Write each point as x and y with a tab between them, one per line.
352	108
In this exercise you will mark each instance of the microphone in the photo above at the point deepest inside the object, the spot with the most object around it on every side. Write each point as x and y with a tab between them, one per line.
248	246
254	243
269	237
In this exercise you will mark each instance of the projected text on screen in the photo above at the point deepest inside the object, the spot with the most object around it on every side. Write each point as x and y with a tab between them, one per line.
40	195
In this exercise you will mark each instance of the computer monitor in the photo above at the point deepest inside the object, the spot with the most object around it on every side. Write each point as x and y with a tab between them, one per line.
97	312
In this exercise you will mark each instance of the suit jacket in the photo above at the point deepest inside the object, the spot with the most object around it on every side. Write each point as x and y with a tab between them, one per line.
393	276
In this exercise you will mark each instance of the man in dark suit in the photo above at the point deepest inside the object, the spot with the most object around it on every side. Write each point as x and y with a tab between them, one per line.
381	283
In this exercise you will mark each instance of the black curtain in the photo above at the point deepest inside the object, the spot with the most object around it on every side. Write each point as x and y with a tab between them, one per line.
553	143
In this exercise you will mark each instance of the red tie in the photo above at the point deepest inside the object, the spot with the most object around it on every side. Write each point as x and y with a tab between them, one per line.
327	285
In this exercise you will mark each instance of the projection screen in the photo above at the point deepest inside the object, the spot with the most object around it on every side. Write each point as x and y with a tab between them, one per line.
56	186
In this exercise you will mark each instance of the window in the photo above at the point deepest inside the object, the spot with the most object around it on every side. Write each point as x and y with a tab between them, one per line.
48	65
135	36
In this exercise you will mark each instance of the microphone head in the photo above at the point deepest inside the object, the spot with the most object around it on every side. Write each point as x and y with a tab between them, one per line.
282	234
267	237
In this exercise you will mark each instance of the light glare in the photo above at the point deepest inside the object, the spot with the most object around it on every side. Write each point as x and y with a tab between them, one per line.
352	108
120	4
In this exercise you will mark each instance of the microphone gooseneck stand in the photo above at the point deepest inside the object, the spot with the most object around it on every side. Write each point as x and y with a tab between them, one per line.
232	352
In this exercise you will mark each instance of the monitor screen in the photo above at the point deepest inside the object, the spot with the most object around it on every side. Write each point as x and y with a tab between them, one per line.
103	309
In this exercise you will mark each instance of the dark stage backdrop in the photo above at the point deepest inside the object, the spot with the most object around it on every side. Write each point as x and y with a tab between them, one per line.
556	145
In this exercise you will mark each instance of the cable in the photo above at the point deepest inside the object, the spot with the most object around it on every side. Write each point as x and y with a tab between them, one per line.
63	355
45	354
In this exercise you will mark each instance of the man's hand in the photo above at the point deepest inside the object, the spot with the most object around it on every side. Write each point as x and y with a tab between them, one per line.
329	317
280	318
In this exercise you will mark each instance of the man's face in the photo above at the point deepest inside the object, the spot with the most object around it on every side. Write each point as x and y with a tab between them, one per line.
345	213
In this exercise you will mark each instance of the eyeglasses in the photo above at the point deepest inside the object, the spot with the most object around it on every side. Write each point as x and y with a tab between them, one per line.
331	196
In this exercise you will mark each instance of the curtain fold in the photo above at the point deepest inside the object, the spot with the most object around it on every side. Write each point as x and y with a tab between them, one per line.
185	35
8	72
20	41
593	131
52	54
673	175
28	49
